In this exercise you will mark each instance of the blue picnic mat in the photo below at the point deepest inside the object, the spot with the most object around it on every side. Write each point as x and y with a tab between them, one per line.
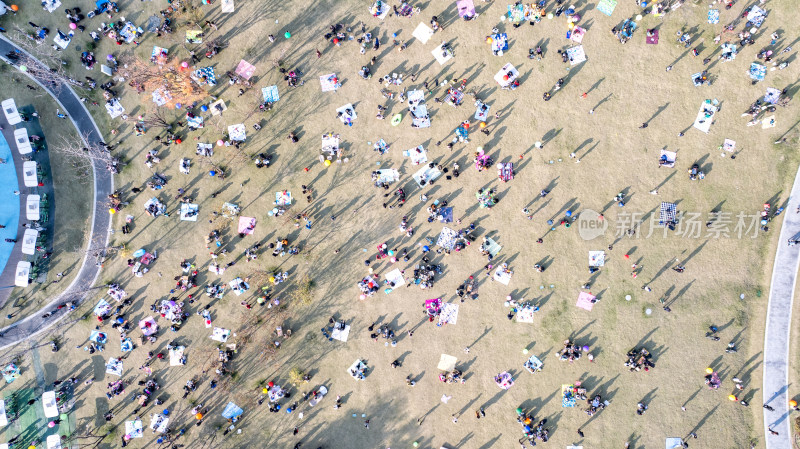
713	16
270	94
208	72
607	6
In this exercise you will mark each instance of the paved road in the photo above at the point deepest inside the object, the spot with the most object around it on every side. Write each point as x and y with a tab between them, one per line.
101	222
778	329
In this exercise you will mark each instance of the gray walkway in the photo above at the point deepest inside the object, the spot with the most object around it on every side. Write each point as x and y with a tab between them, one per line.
777	391
70	103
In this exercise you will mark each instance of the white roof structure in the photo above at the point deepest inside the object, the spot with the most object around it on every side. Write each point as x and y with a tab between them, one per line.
54	442
23	143
23	274
29	175
10	110
32	207
49	403
29	241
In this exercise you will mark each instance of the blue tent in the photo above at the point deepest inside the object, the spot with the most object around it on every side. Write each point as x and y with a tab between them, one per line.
232	411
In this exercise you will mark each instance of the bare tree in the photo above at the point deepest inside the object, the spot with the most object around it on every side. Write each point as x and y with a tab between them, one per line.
39	48
174	82
82	152
155	118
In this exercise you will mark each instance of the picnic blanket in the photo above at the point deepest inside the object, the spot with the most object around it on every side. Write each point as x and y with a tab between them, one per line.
441	55
227	6
667	213
270	94
568	396
772	96
448	314
576	55
114	108
189	212
674	443
757	71
768	122
505	171
329	83
502	276
491	246
128	32
98	337
283	198
347	114
507	74
705	116
148	326
133	429
533	364
161	96
465	8
246	225
446	363
357	370
159	423
418	155
11	372
51	5
341	334
447	239
606	6
597	258
63	41
195	122
756	16
194	36
218	107
525	313
713	16
330	144
504	380
239	286
176	356
219	334
516	13
420	117
425	175
245	69
388	175
445	215
481	110
159	55
423	33
576	34
499	43
237	132
729	51
667	158
379	9
652	37
729	145
395	276
102	308
114	366
232	411
586	301
126	345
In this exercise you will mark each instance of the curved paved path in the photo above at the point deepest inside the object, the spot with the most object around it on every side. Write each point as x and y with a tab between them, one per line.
778	329
101	223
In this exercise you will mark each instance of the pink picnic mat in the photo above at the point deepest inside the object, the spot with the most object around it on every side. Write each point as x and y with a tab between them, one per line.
247	225
585	301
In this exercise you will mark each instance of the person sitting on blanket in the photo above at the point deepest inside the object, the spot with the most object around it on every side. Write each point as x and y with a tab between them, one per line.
571	352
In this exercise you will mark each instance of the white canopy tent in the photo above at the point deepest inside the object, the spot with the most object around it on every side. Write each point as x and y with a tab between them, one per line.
49	403
32	207
29	241
29	174
10	110
23	143
54	442
23	274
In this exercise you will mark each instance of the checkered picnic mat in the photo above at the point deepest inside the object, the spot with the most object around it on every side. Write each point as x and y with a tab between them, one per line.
667	212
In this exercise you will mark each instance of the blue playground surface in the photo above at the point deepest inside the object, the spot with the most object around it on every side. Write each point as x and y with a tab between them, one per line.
9	203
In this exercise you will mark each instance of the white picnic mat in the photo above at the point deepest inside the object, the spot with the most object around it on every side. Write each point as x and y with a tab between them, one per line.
493	247
441	56
347	112
418	155
237	132
114	366
388	175
358	364
525	314
597	258
674	443
175	356
341	334
189	212
423	33
114	108
447	239
227	6
505	70
397	277
159	423
219	334
449	314
329	82
447	363
51	5
133	429
501	276
576	55
701	122
426	173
